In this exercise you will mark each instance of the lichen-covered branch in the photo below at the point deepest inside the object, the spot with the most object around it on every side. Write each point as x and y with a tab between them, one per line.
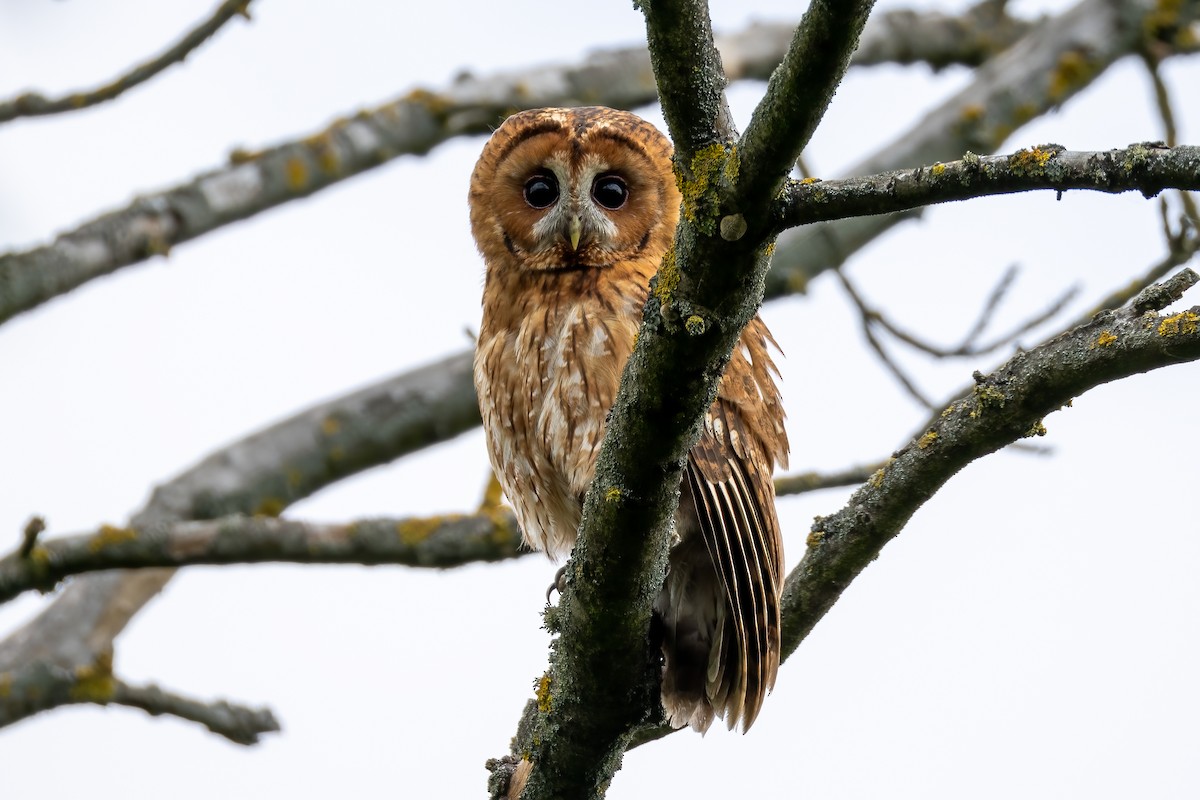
797	96
38	687
448	540
1051	64
1004	407
33	104
1147	168
441	542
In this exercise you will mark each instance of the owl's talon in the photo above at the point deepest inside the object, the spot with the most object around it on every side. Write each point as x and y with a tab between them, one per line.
560	583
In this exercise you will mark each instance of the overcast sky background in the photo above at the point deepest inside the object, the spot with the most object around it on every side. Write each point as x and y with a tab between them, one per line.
1032	632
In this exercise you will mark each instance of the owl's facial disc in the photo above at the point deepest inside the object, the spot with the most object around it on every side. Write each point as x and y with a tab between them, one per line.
574	230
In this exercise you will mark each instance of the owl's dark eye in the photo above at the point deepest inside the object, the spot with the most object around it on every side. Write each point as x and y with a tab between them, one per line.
610	191
541	190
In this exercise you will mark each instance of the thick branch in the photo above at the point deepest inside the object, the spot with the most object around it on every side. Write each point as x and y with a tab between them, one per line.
1004	407
1146	168
40	687
33	104
797	95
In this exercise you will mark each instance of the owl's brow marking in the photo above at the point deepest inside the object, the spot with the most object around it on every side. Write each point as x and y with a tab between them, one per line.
545	126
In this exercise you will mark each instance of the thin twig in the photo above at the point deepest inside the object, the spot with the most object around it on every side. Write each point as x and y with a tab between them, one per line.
869	317
33	104
238	724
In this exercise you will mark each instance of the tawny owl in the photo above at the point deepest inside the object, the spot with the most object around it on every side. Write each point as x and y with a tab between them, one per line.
573	210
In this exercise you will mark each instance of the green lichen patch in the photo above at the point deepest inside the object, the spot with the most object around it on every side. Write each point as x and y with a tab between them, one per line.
95	683
1032	161
269	506
695	325
1182	324
544	698
711	168
295	173
1037	429
667	280
110	535
986	397
414	530
1073	70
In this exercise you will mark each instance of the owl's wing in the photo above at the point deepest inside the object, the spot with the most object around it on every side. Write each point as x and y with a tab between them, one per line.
730	482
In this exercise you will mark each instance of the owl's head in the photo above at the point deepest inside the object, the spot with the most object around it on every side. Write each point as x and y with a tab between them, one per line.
573	188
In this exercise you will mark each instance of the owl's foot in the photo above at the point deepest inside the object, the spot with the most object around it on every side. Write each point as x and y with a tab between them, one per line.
559	585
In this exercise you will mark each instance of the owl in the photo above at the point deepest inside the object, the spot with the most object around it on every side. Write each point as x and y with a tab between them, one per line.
572	210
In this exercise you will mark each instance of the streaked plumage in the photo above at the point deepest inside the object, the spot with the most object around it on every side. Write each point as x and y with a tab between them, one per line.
573	210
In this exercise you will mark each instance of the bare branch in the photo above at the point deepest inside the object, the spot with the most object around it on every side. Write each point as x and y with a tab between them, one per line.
33	104
448	540
902	36
39	687
1147	168
797	95
867	319
801	482
1004	407
238	724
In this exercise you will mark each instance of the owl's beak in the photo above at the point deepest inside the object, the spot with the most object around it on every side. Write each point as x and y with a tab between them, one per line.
574	231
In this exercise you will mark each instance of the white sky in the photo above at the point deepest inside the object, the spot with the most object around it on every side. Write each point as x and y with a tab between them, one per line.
1032	633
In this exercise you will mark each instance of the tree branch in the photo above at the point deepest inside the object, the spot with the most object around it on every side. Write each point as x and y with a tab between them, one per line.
39	687
448	540
33	104
1004	407
1147	168
441	542
797	95
1053	62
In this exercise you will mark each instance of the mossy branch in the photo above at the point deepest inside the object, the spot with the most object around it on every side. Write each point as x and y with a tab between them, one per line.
797	96
1004	407
34	104
1148	168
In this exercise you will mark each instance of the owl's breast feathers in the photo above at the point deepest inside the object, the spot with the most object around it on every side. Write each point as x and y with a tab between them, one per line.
551	350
